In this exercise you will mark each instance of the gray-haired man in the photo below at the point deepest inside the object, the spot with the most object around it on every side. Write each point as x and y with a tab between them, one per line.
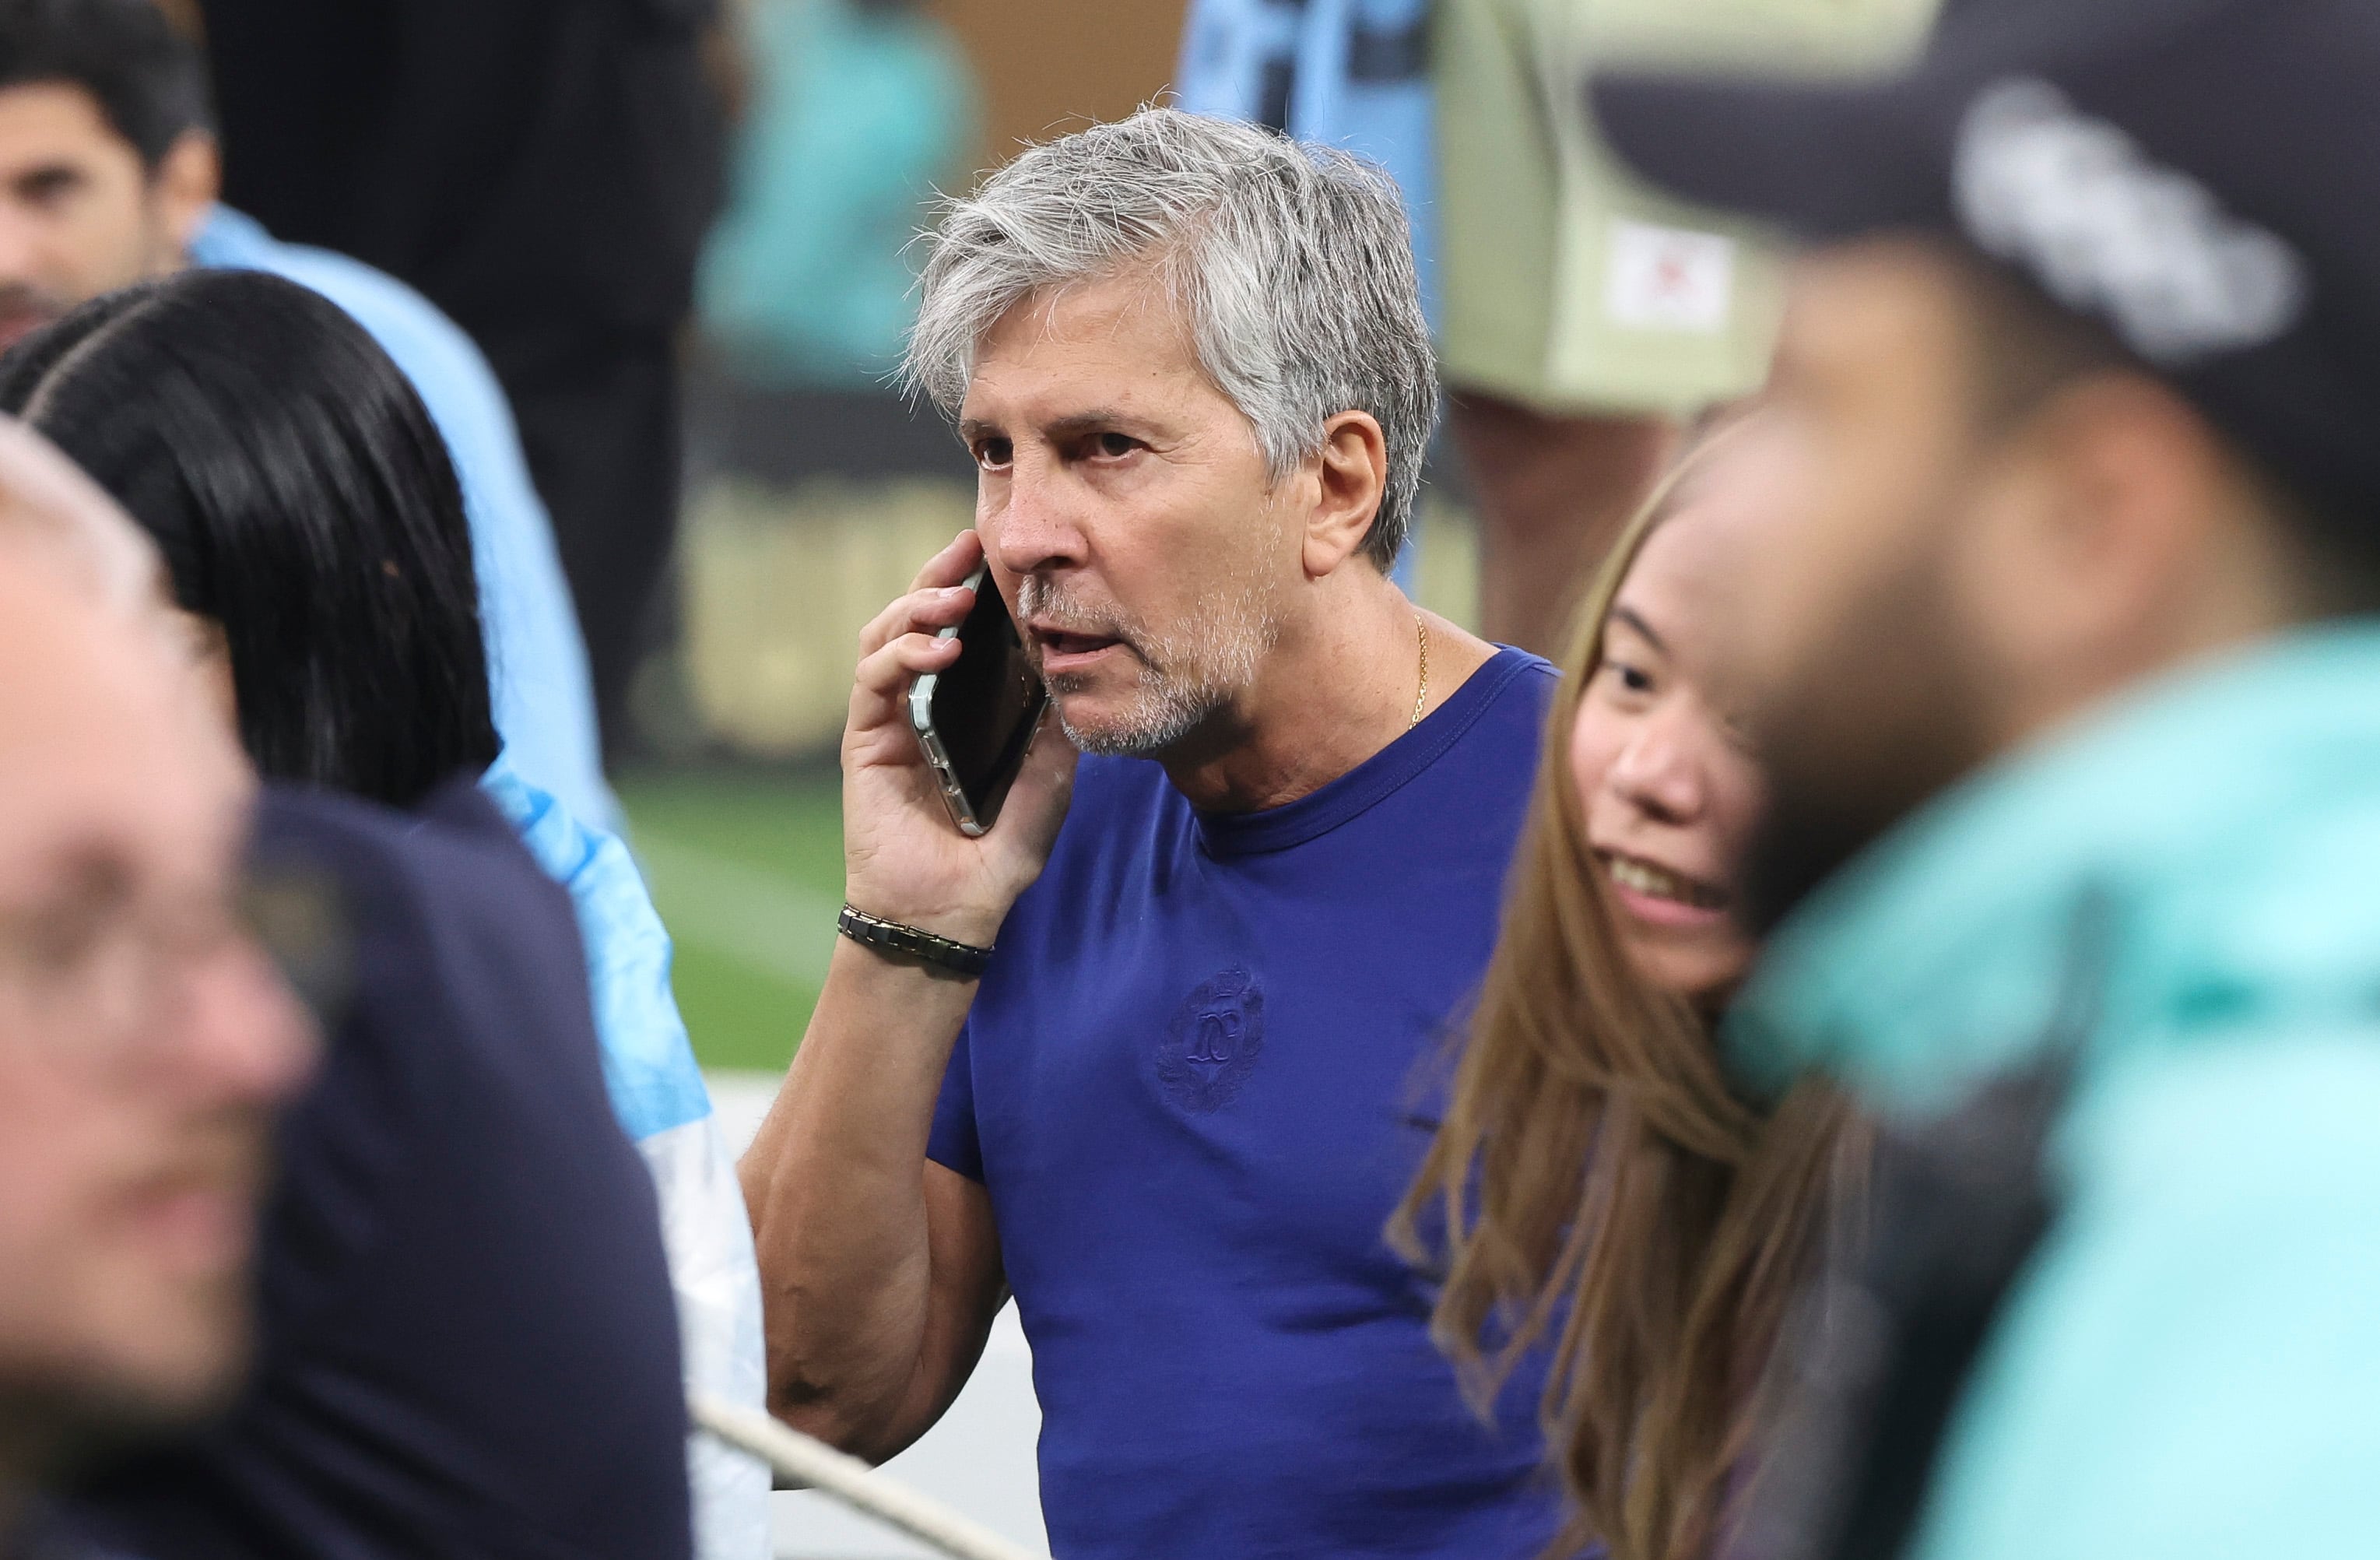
1175	1114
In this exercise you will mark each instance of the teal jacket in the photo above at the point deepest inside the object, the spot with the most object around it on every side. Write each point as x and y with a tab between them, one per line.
2189	1362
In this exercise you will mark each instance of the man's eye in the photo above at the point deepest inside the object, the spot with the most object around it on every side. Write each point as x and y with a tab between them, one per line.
993	454
1115	447
48	186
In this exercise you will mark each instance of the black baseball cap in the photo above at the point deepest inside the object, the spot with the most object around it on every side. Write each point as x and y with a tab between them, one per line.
2203	176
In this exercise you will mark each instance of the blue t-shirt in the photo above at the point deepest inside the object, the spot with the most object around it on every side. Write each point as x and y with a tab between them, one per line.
1191	1083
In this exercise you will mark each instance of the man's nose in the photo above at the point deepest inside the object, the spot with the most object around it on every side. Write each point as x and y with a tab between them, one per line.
1038	525
246	1041
19	248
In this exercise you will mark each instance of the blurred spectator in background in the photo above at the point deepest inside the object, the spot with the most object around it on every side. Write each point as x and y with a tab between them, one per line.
2064	647
108	174
1350	73
857	108
1579	315
144	1039
320	556
544	170
1596	1187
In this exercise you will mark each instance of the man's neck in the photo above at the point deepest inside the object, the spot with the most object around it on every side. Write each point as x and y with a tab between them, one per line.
1339	687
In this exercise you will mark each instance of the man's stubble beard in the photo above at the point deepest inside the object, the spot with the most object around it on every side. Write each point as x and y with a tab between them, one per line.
1884	715
1186	676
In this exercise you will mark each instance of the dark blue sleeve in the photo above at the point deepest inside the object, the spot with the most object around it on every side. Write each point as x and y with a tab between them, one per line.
954	1144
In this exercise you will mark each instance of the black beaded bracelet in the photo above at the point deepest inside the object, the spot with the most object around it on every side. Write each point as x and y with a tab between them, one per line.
892	937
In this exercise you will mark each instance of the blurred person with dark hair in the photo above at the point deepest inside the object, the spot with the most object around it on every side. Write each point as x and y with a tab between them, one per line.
321	562
1596	1187
544	171
144	1037
108	174
2063	652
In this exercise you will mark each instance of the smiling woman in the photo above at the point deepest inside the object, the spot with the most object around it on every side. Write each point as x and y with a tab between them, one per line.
1667	789
1595	1180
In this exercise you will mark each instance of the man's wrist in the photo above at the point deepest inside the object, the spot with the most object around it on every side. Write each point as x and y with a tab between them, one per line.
960	924
904	941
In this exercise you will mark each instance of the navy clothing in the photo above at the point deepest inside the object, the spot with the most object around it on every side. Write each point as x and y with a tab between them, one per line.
44	1533
1191	1083
467	1345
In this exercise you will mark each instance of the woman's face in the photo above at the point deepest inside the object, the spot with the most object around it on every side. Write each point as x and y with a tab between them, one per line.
1668	789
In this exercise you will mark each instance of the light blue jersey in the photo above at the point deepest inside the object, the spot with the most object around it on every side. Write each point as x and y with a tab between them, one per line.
658	1093
1346	73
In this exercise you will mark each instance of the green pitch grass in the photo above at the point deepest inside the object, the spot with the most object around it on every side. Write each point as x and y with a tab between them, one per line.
747	872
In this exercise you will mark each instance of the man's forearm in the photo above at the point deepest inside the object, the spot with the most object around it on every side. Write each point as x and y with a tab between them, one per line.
835	1184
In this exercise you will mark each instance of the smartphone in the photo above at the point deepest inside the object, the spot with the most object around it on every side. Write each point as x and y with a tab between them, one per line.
977	719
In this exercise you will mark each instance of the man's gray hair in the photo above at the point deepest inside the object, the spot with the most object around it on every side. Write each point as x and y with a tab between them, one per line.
1292	265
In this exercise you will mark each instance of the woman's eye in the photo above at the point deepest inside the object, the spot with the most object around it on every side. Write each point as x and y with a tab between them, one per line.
993	454
1628	678
1115	447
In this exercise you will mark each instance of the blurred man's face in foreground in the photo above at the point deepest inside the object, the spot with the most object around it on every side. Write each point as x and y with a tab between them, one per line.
144	1039
79	214
1976	523
1848	634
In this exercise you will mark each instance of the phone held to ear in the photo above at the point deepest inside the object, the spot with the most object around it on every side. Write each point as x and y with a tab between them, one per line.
976	719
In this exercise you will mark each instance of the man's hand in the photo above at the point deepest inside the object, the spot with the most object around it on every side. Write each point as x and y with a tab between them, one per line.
903	858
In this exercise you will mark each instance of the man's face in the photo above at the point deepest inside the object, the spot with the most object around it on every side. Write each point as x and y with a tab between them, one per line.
143	1037
79	216
1854	635
1124	506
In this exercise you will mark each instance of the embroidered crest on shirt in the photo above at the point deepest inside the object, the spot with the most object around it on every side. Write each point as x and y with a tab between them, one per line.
1212	1043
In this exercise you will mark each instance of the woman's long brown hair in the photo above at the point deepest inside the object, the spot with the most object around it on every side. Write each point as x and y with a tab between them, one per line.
1596	1181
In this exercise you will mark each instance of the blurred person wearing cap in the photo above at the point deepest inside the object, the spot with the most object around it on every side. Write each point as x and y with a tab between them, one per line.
1582	317
144	1038
109	172
2064	657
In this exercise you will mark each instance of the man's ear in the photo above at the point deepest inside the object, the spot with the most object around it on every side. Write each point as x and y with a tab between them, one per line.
2093	545
187	183
1351	480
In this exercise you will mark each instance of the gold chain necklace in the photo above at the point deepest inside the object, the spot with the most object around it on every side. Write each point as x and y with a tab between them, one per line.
1421	694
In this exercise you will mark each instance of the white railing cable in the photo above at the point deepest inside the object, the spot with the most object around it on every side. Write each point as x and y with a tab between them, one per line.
822	1468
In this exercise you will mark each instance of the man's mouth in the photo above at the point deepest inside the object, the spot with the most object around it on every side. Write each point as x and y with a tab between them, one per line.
200	1217
16	324
1066	649
24	310
1654	882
